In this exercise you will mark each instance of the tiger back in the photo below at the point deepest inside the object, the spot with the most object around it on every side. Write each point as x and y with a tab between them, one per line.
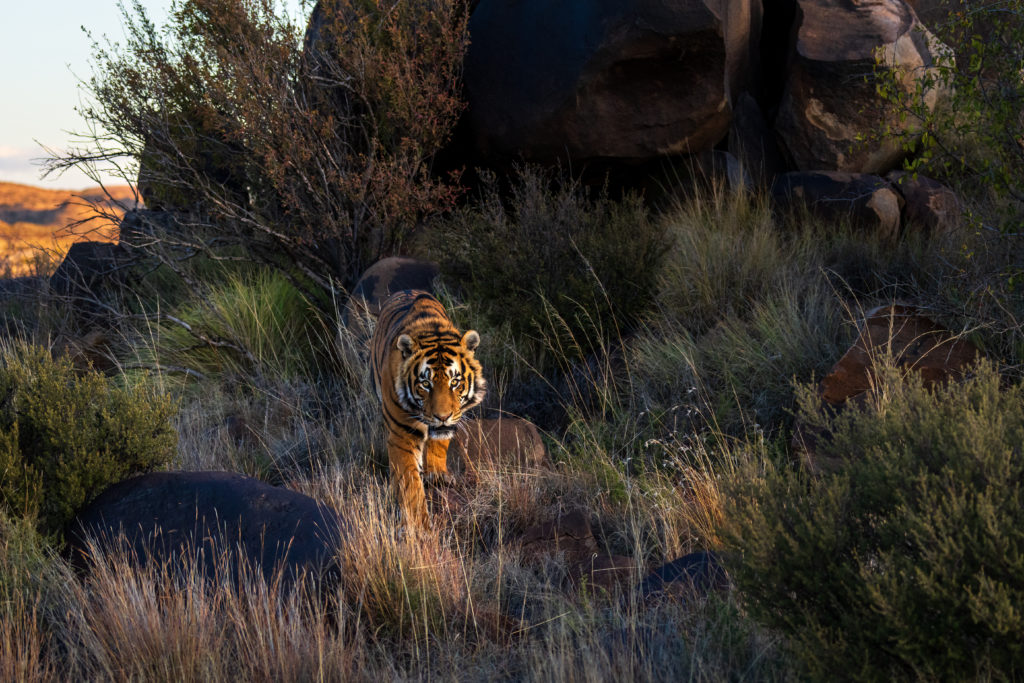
426	377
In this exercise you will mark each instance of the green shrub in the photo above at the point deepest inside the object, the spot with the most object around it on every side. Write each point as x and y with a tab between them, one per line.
251	323
972	136
64	436
554	260
909	562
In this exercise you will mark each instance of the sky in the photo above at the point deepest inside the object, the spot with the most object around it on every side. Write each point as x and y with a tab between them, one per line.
43	55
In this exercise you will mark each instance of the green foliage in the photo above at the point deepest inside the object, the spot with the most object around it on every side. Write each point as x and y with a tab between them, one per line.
910	561
974	134
255	322
64	436
557	262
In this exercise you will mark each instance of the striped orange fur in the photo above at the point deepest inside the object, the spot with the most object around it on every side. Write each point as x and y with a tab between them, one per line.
426	378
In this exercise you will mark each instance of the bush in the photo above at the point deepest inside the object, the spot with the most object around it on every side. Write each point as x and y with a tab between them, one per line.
557	262
256	322
64	437
910	562
976	138
310	156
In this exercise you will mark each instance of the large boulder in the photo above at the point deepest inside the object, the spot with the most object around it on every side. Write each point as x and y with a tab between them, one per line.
865	200
588	79
193	520
829	103
929	205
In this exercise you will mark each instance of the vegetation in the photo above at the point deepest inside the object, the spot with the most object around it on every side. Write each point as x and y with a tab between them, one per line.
64	436
310	159
666	352
550	254
907	563
972	136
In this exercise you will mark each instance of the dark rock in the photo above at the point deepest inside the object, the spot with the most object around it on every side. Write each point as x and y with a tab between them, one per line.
692	576
190	519
381	280
499	444
611	573
752	142
569	534
828	105
586	79
90	351
144	227
929	205
868	201
90	273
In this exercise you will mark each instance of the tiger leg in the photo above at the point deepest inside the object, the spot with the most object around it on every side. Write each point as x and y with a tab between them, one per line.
404	456
435	462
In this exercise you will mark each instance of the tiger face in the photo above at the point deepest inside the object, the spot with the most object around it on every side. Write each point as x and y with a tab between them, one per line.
439	379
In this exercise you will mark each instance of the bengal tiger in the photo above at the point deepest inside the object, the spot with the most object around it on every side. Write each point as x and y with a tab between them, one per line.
426	378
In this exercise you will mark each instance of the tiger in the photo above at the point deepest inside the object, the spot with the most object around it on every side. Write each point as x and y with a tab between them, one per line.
426	378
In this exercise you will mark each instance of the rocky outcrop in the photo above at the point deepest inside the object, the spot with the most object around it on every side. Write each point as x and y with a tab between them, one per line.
569	537
902	335
867	201
211	522
829	102
928	204
585	79
500	443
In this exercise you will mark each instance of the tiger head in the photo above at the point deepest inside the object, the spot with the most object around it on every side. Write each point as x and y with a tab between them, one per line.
439	379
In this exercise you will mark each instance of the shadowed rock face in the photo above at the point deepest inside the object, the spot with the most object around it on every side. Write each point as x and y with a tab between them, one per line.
192	518
587	79
828	100
867	201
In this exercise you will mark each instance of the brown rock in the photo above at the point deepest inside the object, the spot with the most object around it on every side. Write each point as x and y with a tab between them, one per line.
568	533
490	444
612	573
897	334
588	79
827	103
929	205
866	200
913	342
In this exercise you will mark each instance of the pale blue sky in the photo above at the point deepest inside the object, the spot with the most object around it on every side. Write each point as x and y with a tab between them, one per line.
43	54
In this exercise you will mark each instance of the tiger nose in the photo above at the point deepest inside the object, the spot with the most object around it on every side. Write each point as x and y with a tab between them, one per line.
443	418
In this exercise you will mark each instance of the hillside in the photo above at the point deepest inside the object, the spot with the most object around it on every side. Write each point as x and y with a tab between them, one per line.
35	218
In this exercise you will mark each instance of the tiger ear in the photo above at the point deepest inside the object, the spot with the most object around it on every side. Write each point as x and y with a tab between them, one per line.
404	345
471	340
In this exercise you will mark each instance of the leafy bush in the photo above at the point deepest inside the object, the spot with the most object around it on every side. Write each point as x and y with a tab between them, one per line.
310	156
976	138
910	562
64	436
557	262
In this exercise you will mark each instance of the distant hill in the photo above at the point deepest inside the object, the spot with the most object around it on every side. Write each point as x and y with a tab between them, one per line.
35	220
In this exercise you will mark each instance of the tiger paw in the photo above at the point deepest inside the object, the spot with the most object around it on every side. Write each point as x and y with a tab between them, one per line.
438	478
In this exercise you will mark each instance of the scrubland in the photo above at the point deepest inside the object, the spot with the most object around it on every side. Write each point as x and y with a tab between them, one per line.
665	343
